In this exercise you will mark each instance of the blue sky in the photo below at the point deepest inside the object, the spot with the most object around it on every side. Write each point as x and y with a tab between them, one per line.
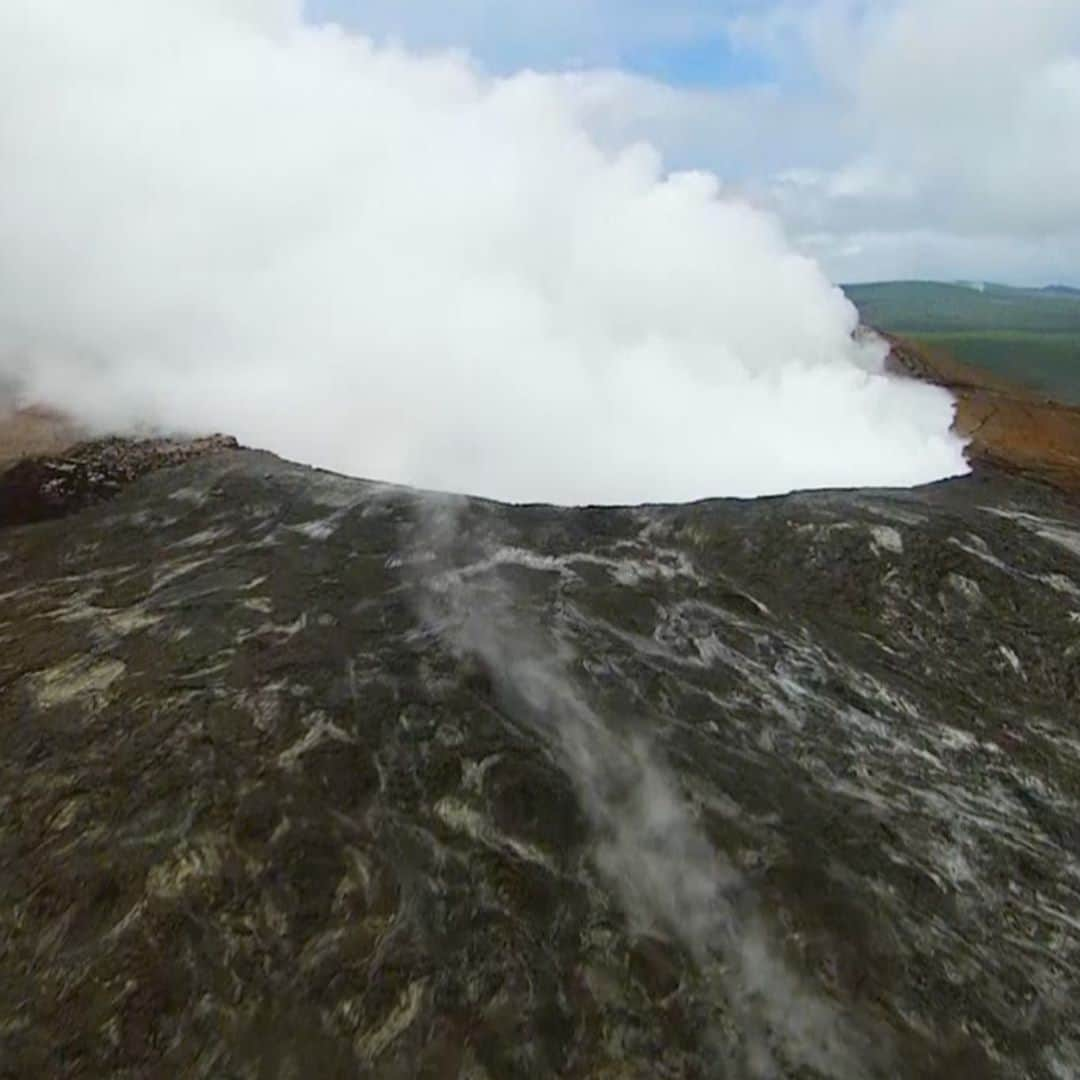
713	62
686	43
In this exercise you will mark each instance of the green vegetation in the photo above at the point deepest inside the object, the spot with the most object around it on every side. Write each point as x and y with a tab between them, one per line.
1029	335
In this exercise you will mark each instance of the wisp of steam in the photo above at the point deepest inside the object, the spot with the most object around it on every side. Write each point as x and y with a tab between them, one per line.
215	215
649	846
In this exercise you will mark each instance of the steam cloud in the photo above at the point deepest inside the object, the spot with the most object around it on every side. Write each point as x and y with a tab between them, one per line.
216	216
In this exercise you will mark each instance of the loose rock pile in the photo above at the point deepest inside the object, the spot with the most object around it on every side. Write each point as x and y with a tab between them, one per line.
42	488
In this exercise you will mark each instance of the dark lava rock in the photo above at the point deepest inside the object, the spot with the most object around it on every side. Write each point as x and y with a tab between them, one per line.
301	774
42	488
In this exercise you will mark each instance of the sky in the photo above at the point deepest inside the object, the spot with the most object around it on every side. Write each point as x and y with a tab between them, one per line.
681	43
894	138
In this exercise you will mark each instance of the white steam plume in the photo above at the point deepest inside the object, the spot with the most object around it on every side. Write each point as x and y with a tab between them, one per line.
649	847
215	216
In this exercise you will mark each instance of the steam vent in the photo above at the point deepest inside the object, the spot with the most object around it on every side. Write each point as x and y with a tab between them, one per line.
308	776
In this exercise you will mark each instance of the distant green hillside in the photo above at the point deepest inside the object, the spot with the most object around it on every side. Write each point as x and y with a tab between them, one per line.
1030	335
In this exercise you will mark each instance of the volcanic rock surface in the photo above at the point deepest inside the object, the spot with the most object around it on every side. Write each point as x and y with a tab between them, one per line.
40	487
1008	426
303	775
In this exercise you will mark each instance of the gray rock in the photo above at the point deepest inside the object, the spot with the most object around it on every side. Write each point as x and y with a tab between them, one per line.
308	775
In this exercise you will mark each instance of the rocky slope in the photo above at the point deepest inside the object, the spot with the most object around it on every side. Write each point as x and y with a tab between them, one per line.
301	774
1008	426
42	487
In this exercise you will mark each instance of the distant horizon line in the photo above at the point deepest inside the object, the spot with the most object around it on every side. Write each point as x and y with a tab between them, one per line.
964	283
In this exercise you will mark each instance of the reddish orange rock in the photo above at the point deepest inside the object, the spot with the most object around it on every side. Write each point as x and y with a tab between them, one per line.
1009	426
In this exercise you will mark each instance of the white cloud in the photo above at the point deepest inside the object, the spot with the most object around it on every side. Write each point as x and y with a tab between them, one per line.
221	217
965	114
931	134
